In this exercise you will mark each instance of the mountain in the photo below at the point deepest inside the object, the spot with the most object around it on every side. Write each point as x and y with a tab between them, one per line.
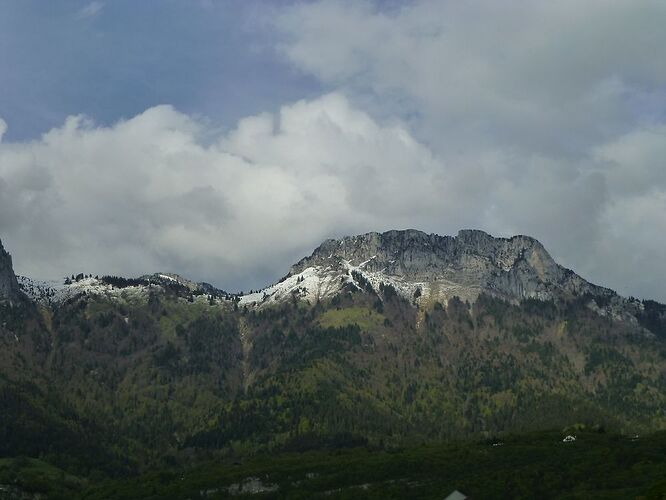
428	268
444	266
380	339
422	268
465	266
9	288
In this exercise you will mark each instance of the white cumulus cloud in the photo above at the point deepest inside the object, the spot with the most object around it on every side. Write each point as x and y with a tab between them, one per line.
149	194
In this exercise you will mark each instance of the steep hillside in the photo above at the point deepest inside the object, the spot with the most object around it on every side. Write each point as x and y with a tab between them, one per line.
381	339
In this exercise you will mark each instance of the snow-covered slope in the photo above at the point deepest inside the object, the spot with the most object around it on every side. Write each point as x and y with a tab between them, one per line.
58	291
320	282
312	284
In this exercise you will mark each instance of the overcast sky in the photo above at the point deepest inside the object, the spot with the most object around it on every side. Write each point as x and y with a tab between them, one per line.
225	140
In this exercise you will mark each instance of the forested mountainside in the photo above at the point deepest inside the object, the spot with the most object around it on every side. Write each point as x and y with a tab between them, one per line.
379	340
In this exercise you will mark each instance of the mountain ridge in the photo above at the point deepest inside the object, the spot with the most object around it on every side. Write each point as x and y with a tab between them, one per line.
421	257
423	268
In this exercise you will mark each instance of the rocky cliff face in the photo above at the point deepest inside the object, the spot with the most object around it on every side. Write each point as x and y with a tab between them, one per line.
440	267
9	288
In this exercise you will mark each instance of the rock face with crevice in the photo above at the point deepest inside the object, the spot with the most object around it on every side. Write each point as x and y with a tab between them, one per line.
465	265
9	288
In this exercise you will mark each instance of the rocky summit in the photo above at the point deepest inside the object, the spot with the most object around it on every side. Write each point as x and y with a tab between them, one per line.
9	288
429	268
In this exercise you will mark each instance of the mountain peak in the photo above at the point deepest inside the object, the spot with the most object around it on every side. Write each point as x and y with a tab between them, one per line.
9	288
434	268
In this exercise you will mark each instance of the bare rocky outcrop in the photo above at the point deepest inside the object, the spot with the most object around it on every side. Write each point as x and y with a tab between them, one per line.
9	288
465	265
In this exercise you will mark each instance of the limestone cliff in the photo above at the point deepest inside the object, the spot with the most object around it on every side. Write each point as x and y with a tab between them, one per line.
9	288
465	265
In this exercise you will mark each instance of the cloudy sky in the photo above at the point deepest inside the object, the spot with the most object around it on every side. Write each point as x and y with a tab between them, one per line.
223	140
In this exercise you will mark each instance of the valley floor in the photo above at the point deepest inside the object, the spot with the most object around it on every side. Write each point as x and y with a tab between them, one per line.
536	465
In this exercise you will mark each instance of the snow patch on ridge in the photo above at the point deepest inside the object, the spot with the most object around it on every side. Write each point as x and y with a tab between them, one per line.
57	291
312	284
316	283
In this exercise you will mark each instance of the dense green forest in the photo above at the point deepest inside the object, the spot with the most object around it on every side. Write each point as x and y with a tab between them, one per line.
100	394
